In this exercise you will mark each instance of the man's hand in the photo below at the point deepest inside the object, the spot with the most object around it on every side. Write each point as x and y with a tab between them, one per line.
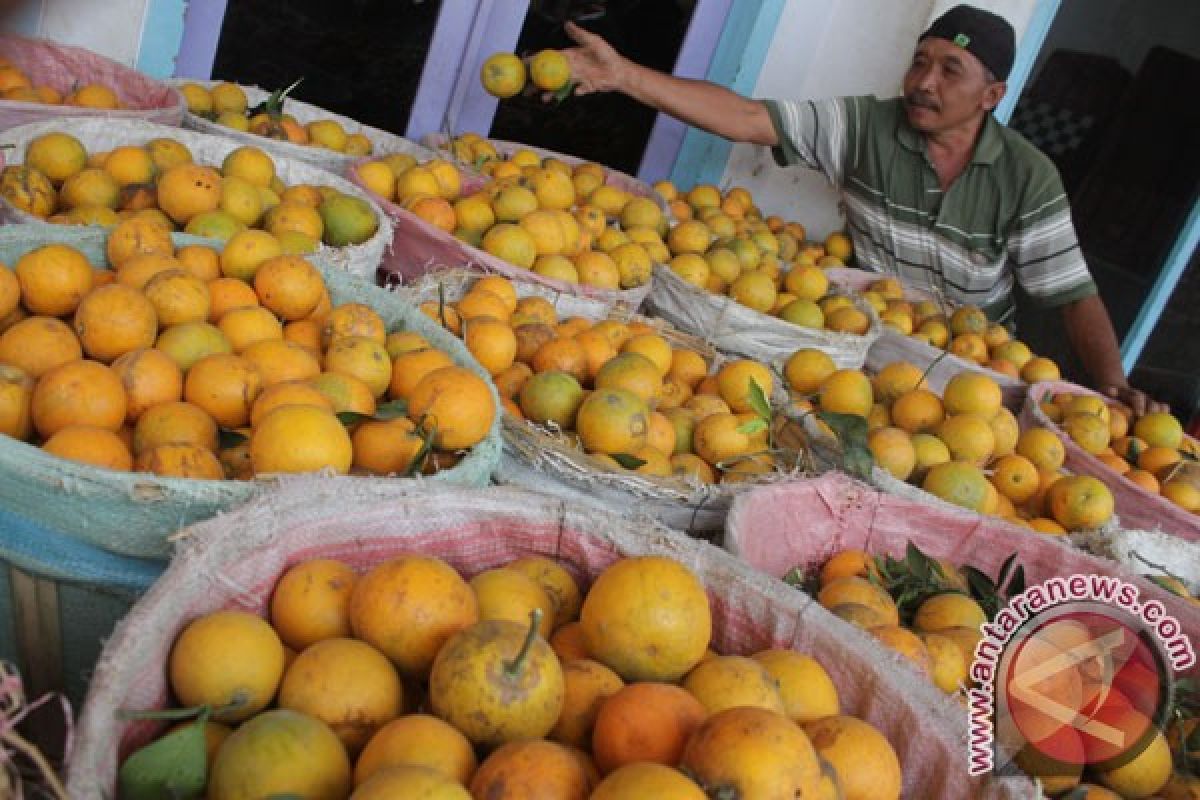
1135	400
595	65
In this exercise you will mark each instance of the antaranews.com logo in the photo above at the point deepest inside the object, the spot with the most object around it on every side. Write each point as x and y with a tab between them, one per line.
1074	673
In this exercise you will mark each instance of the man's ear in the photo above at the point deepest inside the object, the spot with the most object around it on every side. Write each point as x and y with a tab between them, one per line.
993	94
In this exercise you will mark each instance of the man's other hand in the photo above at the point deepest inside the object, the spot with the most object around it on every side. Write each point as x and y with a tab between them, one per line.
1136	400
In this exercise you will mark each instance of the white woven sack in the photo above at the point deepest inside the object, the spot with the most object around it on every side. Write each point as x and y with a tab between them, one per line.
383	142
65	67
534	458
734	328
612	177
1147	553
234	562
101	134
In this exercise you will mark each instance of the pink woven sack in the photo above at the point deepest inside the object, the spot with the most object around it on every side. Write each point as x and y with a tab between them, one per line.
612	177
64	68
802	524
893	345
234	561
419	248
1136	507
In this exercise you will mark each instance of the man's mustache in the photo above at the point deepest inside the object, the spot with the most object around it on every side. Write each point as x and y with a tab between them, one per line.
921	100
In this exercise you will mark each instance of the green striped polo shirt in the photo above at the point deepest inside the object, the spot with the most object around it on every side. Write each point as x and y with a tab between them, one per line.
1006	218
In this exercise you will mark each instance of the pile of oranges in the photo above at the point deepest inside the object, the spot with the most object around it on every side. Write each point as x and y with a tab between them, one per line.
61	182
144	366
618	387
16	85
963	446
226	104
964	332
395	682
1155	454
504	74
541	215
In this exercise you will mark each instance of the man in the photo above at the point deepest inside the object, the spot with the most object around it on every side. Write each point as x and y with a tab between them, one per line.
935	189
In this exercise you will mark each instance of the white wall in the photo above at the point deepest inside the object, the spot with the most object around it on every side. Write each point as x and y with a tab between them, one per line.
1124	29
110	27
829	49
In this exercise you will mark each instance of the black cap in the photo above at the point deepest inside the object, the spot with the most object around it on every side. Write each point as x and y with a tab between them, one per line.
985	35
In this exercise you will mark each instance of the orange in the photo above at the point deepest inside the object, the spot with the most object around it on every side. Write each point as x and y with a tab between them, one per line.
224	385
53	279
289	286
369	691
300	438
187	190
753	752
526	769
417	740
1089	431
896	379
807	690
88	444
278	360
1040	369
1015	477
94	95
223	656
178	297
645	722
181	461
503	75
806	370
38	344
114	320
563	355
16	394
893	451
174	422
718	438
354	319
969	438
386	447
731	681
1158	460
409	368
653	347
56	155
410	781
1159	429
846	391
1182	493
551	397
492	342
135	237
864	761
1080	502
1042	447
455	405
287	393
227	294
568	643
78	393
917	411
970	346
612	421
245	251
647	618
638	780
311	602
362	358
959	483
280	752
409	607
734	379
968	319
243	327
971	392
633	372
345	393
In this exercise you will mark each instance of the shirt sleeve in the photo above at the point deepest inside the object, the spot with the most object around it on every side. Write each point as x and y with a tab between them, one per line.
812	133
1043	247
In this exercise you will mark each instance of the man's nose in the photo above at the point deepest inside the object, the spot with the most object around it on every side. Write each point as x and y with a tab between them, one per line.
927	78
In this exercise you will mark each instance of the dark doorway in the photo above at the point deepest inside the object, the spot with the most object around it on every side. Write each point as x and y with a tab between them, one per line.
607	128
359	58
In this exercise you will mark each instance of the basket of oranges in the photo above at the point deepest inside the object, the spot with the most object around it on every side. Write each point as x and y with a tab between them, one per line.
613	642
285	126
42	80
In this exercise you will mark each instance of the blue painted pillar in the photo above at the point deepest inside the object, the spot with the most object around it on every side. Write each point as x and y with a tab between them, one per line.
1027	53
162	33
739	58
1147	318
201	32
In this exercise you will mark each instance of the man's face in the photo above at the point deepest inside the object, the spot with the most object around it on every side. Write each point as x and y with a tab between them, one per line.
946	87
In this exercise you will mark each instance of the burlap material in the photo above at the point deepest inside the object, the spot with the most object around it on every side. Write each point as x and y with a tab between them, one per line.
418	247
612	177
66	68
734	328
383	142
105	134
132	514
1136	507
1147	553
940	365
234	562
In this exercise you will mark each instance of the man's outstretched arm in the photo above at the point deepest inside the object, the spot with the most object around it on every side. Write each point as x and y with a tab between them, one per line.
597	67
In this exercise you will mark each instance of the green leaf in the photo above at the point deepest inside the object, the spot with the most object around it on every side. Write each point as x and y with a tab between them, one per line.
758	400
917	562
752	427
627	461
227	438
794	577
351	418
851	431
273	105
392	410
982	590
422	455
566	91
173	766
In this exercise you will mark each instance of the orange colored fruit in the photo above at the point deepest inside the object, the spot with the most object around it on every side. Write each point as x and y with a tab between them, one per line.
78	393
227	656
455	404
645	722
311	602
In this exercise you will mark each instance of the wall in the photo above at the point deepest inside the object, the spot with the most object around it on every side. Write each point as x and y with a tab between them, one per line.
1121	28
823	49
112	28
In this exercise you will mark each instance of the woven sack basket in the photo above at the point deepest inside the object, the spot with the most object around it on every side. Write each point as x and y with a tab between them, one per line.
612	177
1137	507
64	68
1147	553
801	525
419	247
132	514
940	365
234	562
733	328
100	135
548	460
383	142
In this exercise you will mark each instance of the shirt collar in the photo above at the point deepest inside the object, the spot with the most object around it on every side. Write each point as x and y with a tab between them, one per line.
987	149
